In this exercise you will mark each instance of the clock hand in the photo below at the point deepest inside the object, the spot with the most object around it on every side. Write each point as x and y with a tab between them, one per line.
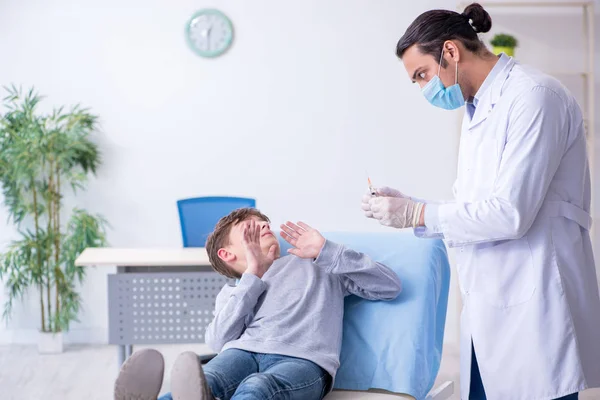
208	31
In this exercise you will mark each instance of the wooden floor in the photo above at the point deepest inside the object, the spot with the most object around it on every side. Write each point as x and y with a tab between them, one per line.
88	372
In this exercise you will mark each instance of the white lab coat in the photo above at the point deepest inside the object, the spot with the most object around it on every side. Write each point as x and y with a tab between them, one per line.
520	222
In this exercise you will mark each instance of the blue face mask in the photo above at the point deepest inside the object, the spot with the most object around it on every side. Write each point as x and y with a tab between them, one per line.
448	98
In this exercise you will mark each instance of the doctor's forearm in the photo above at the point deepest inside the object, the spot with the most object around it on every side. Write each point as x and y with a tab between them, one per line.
463	224
484	221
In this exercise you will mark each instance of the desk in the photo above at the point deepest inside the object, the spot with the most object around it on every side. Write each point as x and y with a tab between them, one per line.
157	295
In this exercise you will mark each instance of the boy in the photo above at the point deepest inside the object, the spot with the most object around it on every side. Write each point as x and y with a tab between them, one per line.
279	330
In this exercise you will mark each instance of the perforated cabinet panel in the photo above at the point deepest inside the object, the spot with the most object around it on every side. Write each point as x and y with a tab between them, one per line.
150	308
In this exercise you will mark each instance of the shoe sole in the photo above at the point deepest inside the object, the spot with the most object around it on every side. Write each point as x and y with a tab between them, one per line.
187	379
141	376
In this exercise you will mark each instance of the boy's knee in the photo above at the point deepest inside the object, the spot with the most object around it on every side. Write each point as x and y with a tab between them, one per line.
258	385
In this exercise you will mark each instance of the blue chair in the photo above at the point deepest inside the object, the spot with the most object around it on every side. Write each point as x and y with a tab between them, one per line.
198	216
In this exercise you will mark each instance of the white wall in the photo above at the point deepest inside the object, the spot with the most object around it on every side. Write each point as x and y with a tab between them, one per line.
310	95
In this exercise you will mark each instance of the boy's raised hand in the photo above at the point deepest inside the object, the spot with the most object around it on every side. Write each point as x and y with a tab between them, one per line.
307	241
257	262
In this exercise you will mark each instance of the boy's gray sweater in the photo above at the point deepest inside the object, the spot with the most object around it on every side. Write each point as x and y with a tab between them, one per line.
296	309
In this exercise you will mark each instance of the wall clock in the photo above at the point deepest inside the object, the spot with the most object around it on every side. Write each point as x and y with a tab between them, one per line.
209	33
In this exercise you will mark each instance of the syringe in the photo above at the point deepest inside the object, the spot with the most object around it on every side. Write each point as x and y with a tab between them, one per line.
371	188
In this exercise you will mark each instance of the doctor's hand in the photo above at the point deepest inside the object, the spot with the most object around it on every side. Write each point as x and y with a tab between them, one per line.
397	212
381	192
307	241
389	192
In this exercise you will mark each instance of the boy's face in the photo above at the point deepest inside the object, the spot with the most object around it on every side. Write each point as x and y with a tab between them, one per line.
234	255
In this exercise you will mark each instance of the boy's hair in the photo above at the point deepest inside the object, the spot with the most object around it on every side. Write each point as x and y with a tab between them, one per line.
219	238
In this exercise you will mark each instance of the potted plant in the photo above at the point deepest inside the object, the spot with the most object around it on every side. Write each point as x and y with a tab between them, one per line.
41	157
504	43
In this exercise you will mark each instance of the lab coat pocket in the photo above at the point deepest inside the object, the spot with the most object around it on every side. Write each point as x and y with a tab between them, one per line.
505	271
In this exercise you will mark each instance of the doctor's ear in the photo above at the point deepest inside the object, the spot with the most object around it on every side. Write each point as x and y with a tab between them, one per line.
451	51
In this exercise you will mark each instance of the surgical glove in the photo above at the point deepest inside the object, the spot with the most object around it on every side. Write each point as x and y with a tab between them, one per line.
389	192
383	191
397	212
365	206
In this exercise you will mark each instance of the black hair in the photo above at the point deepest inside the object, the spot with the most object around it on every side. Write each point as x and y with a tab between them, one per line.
432	28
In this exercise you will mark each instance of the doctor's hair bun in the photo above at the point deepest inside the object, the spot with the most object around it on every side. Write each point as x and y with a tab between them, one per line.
479	19
430	30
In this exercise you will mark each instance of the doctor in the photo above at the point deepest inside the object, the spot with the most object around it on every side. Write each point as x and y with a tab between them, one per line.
530	325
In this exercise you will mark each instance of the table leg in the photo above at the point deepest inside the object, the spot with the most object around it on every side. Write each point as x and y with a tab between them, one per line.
128	350
121	354
122	351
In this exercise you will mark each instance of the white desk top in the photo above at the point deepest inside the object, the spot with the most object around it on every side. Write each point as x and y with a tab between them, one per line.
143	257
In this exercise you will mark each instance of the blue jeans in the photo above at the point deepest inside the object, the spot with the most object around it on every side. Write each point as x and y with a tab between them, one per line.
477	392
243	375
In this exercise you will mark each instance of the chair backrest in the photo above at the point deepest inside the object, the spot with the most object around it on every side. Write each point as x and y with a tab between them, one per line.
198	216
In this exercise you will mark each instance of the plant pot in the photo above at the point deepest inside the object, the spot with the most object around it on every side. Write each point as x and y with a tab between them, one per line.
50	343
509	51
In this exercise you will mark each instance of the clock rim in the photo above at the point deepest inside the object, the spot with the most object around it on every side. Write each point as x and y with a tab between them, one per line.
214	53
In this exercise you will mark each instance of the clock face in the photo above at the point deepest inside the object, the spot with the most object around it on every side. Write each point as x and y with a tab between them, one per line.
209	33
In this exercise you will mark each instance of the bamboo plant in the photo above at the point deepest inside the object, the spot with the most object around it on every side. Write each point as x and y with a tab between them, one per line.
42	156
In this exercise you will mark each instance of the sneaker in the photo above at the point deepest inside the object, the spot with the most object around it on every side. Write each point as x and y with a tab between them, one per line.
187	379
141	376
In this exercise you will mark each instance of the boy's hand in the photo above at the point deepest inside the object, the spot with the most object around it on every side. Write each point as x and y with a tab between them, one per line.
307	241
257	262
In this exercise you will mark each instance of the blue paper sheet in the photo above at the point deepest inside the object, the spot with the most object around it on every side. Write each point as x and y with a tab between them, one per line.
396	346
